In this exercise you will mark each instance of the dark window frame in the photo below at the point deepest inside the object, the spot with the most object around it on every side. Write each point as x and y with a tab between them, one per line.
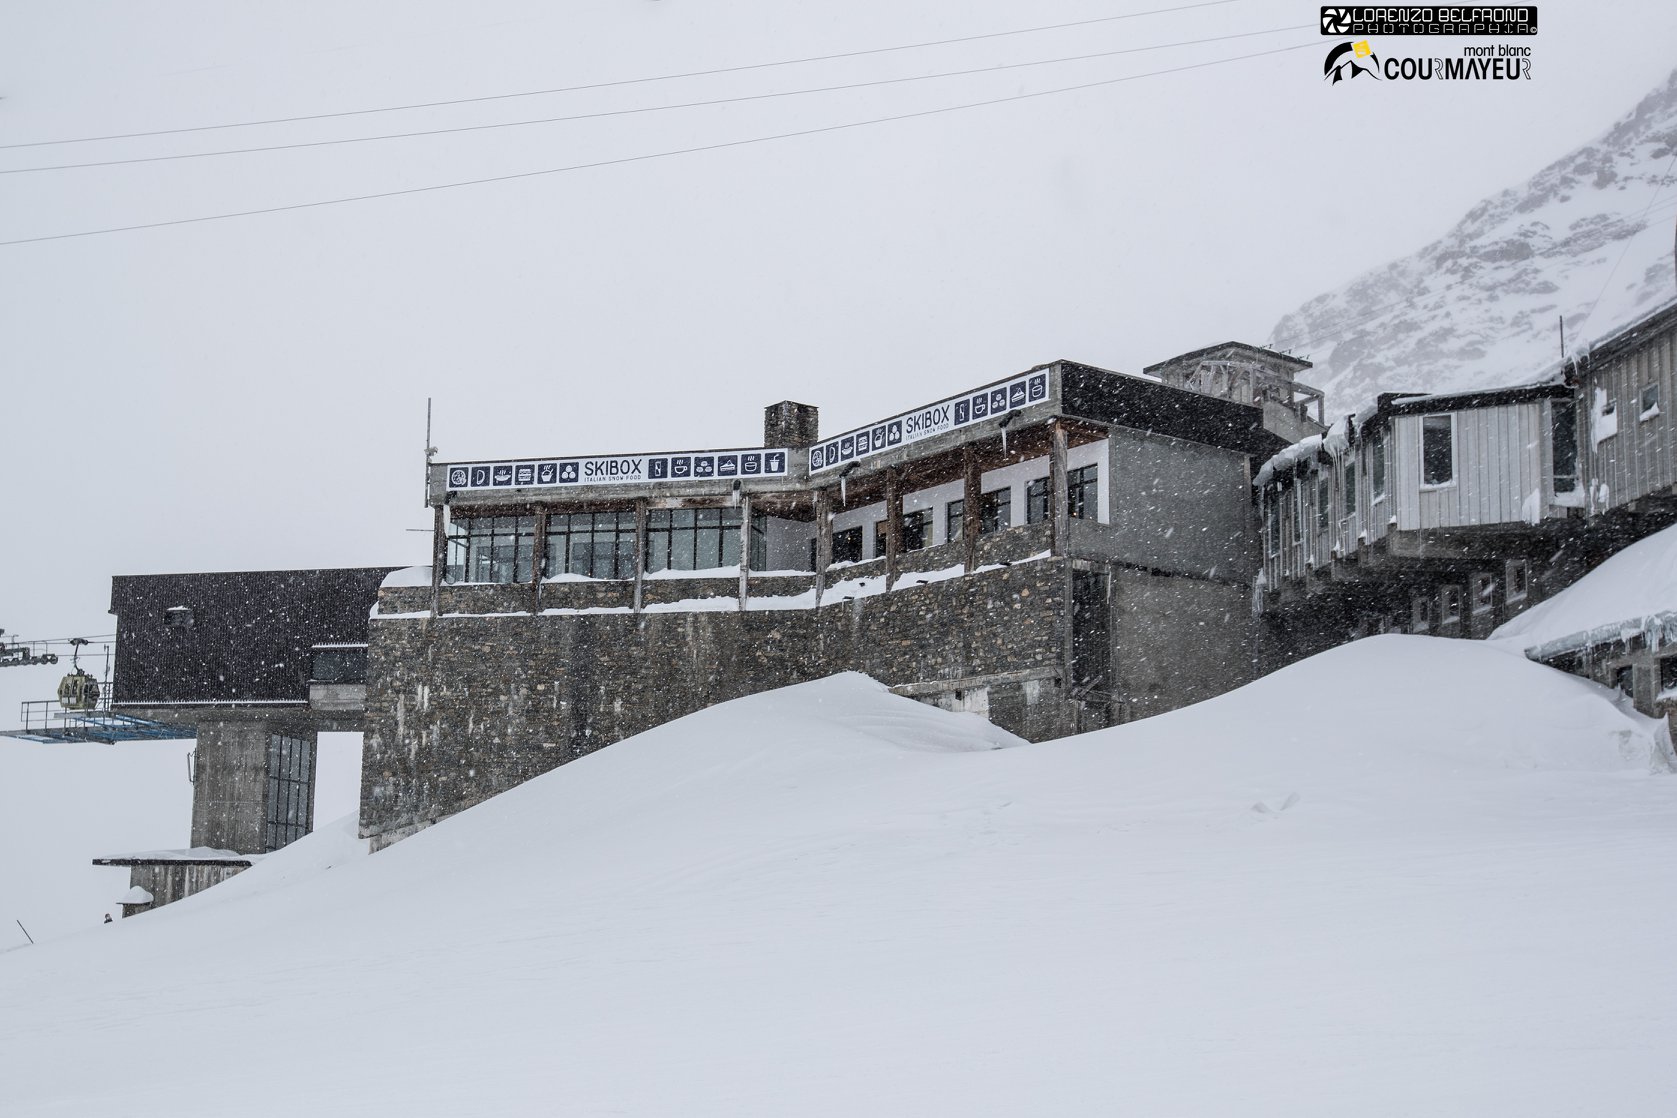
1438	449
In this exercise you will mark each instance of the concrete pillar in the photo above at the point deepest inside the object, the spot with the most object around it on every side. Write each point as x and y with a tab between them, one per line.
1059	500
640	553
233	784
893	524
745	550
439	558
823	539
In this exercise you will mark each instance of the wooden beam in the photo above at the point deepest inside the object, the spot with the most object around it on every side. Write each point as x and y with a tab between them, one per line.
972	512
538	559
823	539
893	524
1059	500
640	553
439	557
745	549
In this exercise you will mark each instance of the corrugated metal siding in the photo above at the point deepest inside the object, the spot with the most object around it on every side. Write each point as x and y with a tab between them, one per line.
1499	462
1638	461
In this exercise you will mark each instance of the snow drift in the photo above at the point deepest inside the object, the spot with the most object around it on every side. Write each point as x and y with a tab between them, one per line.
1635	585
1407	876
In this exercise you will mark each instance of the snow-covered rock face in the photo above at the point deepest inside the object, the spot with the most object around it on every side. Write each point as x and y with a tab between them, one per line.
1479	307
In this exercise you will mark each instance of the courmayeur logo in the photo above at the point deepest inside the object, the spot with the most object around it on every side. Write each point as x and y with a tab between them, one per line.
1346	61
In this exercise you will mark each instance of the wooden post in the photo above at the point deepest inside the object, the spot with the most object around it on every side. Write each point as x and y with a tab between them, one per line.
1059	500
972	518
823	539
538	560
640	553
893	524
745	549
439	557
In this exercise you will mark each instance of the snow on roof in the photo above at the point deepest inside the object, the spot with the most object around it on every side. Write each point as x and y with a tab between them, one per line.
1630	592
193	854
407	576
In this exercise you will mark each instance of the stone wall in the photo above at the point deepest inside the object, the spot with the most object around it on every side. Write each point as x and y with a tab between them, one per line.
462	708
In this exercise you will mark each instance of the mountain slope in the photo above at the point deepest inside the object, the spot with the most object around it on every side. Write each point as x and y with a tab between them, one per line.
1315	895
1479	306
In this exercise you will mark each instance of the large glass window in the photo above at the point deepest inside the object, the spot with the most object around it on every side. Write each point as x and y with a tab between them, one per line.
1438	457
1082	487
692	539
1563	443
1350	488
491	549
954	520
1036	501
1324	511
1377	468
290	784
594	544
995	510
847	546
1273	519
917	532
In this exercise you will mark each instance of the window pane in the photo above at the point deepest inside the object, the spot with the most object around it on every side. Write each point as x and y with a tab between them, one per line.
954	520
1563	443
1437	455
1350	488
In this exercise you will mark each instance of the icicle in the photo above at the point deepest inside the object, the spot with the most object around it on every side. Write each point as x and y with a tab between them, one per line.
1004	442
844	491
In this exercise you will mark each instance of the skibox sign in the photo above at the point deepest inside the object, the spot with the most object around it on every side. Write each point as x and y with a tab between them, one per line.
946	415
621	469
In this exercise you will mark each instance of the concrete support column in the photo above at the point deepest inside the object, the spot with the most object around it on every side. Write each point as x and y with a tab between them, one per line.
893	524
640	553
1059	500
745	550
823	539
972	518
237	787
538	560
439	558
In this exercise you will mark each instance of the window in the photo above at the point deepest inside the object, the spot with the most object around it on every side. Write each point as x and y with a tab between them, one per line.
1650	401
1519	575
1668	675
1484	593
1450	604
290	790
1324	512
1420	615
1438	458
917	532
1563	444
995	510
592	544
1036	501
847	546
347	664
685	540
1377	467
1624	681
491	549
1273	520
1351	488
1082	489
178	617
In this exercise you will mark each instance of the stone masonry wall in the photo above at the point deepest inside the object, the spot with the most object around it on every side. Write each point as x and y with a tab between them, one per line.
462	708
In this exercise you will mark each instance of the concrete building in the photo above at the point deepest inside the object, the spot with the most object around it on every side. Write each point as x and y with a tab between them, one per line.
1061	550
257	664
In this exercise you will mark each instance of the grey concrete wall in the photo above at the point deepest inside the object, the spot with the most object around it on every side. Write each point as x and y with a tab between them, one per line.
1182	506
230	781
462	708
1178	641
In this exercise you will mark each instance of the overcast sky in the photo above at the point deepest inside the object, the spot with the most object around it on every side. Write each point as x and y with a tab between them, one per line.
250	393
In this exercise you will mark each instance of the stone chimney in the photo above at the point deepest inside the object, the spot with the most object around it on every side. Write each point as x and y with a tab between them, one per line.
791	424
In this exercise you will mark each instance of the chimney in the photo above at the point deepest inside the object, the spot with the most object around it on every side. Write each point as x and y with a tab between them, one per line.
791	424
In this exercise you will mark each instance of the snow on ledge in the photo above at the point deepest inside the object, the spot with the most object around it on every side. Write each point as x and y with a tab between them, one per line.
407	576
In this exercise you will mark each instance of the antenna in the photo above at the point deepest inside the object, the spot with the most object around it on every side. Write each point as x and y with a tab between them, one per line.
430	451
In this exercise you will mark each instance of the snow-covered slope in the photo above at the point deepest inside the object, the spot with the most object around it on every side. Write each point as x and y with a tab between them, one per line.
1479	306
1409	876
1638	583
61	806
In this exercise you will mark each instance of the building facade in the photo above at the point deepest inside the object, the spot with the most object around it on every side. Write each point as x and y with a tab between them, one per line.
1061	550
